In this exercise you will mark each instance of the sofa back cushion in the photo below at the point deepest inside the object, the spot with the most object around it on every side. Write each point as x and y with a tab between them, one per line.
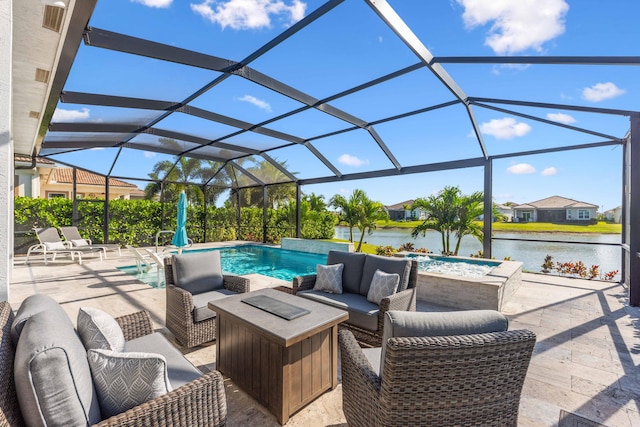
52	374
198	272
10	414
400	266
437	324
35	304
352	271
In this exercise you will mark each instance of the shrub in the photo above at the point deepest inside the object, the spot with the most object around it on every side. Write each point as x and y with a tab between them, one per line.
385	250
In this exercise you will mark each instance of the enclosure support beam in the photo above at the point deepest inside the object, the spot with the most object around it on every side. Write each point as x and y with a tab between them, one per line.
74	197
298	219
105	211
633	220
238	215
204	213
488	205
264	214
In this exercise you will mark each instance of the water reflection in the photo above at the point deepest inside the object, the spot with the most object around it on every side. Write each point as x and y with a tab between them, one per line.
531	254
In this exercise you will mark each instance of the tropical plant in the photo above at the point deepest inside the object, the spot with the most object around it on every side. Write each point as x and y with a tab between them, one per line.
316	202
177	176
367	212
452	214
347	208
385	250
267	173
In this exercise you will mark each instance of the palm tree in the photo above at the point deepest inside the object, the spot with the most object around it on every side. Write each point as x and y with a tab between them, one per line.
347	208
367	213
185	171
451	214
316	203
269	174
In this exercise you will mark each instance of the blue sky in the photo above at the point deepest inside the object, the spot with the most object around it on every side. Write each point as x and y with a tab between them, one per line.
350	46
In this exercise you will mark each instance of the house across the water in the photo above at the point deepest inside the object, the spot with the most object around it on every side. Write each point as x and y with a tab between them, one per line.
556	209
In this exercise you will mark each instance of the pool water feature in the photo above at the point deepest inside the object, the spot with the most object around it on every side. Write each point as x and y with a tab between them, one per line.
440	281
455	266
250	259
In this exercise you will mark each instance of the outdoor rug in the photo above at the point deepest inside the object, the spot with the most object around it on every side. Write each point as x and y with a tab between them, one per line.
567	419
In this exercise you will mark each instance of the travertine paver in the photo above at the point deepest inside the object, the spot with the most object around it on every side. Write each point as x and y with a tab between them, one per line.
585	360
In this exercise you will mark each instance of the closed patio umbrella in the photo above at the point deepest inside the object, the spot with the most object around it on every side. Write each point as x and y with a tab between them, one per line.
180	239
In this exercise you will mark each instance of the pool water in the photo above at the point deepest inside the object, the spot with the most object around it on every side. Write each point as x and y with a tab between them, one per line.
454	266
250	259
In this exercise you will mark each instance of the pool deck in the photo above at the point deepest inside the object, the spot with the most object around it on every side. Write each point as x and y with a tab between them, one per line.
585	360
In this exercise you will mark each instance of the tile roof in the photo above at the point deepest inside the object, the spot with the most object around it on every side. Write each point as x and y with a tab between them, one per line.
400	206
65	175
556	202
24	158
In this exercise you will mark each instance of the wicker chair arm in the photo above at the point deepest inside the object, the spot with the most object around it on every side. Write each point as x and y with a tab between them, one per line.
360	384
405	301
202	402
179	299
236	283
135	325
303	283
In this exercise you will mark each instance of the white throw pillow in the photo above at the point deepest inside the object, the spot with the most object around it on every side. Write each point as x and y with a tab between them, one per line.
382	285
54	246
98	330
126	380
329	278
79	242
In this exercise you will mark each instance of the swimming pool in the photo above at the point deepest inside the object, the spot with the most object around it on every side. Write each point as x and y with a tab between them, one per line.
251	259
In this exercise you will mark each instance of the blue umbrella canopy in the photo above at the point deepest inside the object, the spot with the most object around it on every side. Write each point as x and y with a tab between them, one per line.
180	238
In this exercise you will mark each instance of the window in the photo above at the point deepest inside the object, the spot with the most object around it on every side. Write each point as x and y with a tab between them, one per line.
583	214
569	212
56	195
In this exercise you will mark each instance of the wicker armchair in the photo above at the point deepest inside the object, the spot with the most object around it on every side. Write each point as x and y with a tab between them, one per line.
182	312
461	380
202	402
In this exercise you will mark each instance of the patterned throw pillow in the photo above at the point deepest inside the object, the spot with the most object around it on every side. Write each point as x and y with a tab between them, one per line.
98	330
329	278
126	380
54	246
79	242
382	285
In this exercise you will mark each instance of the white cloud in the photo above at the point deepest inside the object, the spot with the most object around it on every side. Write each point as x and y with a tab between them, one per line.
561	117
255	101
601	91
149	154
505	128
521	169
249	14
60	115
516	25
154	3
549	171
349	160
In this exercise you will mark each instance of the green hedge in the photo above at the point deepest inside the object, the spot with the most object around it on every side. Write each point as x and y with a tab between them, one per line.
136	222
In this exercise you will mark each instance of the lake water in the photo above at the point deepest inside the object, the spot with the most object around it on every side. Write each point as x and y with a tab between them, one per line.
531	254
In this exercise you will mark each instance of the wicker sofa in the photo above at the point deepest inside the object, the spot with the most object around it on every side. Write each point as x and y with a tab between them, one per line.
366	319
58	388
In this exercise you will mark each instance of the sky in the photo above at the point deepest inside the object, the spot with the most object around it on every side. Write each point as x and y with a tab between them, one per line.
350	46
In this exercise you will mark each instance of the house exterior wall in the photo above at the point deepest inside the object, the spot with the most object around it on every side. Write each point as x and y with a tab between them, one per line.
581	214
84	191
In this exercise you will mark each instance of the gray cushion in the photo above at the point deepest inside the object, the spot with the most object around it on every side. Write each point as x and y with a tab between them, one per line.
401	266
382	285
179	370
352	272
436	324
99	330
52	375
373	356
200	301
362	313
329	278
126	380
35	304
55	246
198	272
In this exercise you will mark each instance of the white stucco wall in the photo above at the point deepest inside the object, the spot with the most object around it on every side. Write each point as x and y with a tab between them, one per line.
6	151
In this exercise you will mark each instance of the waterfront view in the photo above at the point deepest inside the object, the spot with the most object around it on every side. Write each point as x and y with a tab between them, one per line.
531	254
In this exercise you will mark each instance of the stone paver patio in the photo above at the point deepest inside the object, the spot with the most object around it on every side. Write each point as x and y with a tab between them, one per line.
585	360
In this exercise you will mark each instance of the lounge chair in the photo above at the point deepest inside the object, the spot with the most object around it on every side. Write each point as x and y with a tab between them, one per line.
52	244
454	368
71	234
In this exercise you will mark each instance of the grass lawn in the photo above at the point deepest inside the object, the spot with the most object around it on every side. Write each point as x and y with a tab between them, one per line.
527	227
